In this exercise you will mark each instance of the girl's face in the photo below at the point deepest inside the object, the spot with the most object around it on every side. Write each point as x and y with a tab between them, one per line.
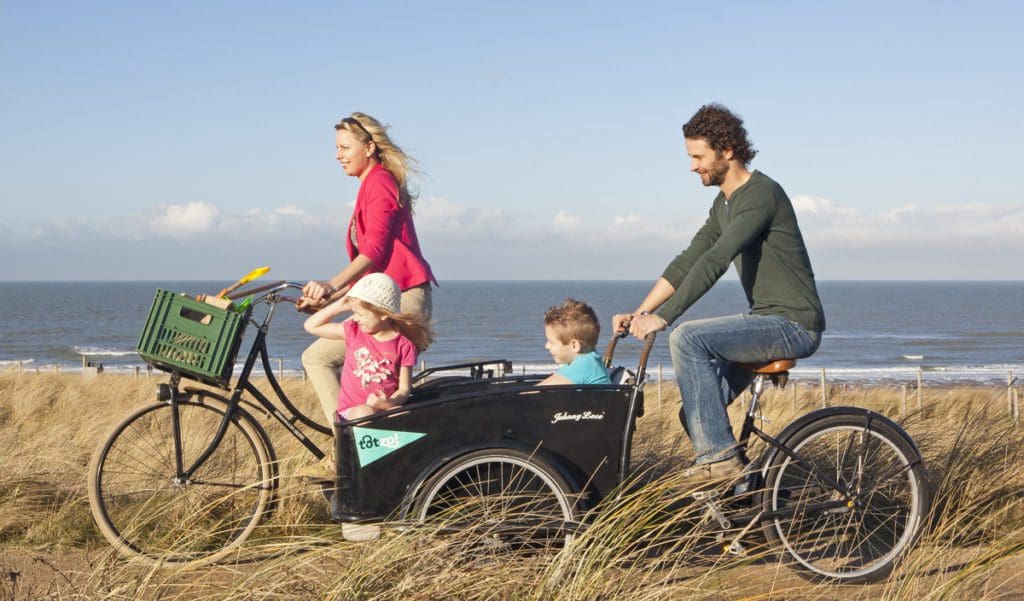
368	321
354	156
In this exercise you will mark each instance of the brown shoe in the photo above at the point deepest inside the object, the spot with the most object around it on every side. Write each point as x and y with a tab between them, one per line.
323	471
701	475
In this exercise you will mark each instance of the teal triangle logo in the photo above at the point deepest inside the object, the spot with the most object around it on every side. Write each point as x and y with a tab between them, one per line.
372	444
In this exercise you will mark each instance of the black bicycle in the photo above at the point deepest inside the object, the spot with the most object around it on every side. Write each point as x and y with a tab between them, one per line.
475	451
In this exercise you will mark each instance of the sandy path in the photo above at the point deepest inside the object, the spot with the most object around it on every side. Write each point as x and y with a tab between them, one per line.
91	575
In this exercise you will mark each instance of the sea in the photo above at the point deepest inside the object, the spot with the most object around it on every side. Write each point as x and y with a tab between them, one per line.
878	331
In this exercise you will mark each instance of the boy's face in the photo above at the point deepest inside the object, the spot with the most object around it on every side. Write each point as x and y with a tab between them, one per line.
562	352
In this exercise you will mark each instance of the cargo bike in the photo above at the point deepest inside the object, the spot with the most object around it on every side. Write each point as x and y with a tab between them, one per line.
840	492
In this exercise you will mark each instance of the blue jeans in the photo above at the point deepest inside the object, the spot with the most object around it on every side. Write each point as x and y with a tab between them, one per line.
701	353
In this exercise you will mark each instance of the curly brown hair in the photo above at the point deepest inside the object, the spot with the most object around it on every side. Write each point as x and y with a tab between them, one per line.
574	319
723	131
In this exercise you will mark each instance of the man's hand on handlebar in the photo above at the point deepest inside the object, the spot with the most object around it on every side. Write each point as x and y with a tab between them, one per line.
637	325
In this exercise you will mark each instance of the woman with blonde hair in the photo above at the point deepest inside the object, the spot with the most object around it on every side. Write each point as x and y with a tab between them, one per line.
380	237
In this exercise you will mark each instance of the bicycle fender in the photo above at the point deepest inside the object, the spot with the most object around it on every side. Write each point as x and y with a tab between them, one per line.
805	420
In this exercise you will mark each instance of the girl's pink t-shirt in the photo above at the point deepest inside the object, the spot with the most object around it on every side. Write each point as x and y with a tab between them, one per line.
371	366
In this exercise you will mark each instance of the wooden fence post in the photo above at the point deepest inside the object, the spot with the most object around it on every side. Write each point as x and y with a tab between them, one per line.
659	384
1009	392
1016	406
824	394
905	409
919	386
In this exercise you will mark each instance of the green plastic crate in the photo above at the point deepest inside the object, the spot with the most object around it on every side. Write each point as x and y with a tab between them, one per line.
177	339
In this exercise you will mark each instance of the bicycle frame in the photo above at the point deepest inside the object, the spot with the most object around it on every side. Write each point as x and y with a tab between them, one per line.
258	350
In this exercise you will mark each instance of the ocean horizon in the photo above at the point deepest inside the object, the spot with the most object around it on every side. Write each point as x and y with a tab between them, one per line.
969	331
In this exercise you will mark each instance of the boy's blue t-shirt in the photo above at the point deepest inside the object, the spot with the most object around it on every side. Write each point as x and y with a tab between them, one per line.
587	368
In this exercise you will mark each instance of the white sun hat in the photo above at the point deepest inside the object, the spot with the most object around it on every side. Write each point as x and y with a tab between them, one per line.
379	290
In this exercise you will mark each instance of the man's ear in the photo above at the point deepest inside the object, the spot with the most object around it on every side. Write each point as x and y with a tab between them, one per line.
728	154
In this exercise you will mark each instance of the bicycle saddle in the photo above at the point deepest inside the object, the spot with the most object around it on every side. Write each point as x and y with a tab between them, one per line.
772	367
777	371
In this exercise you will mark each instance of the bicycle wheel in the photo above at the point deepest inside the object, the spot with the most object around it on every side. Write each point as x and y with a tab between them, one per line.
147	513
860	536
500	500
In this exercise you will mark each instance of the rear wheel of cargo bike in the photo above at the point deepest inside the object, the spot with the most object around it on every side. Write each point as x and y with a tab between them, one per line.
148	513
858	536
499	500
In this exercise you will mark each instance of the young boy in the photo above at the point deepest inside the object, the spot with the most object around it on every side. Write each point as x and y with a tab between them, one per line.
572	330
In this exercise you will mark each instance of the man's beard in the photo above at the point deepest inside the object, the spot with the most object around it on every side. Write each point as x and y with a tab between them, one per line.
716	174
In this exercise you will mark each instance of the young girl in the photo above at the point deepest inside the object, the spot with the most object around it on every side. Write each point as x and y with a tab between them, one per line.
381	345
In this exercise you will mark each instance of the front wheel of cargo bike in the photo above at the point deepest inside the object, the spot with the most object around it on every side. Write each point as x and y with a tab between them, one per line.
148	514
860	535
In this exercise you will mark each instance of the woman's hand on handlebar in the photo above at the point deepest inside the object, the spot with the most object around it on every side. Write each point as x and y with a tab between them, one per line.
317	289
309	305
316	295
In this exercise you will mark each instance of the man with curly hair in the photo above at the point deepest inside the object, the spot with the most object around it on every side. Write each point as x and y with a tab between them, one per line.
753	226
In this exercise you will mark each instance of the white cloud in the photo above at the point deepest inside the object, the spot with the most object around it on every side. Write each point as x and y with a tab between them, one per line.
567	222
441	215
180	221
827	225
966	240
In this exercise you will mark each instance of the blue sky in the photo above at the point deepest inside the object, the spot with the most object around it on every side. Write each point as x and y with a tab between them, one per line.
195	139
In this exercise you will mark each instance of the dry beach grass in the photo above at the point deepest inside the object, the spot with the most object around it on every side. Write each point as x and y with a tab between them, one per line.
643	547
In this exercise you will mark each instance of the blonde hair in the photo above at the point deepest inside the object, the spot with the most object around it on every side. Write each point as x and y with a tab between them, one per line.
366	129
413	326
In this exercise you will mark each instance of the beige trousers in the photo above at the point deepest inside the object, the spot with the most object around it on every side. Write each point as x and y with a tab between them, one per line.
324	357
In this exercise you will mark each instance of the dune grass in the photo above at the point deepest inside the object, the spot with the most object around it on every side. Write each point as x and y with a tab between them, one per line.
643	546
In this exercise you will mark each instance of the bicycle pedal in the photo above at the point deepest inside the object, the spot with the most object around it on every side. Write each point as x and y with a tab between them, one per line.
718	516
705	496
735	548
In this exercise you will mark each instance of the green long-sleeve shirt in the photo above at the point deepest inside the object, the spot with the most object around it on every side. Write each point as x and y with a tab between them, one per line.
757	230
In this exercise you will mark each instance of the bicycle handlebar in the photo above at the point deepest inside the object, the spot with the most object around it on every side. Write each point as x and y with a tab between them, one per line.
261	293
644	353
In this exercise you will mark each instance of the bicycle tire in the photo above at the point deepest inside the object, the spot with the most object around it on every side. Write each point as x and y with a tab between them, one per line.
149	517
500	500
877	523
